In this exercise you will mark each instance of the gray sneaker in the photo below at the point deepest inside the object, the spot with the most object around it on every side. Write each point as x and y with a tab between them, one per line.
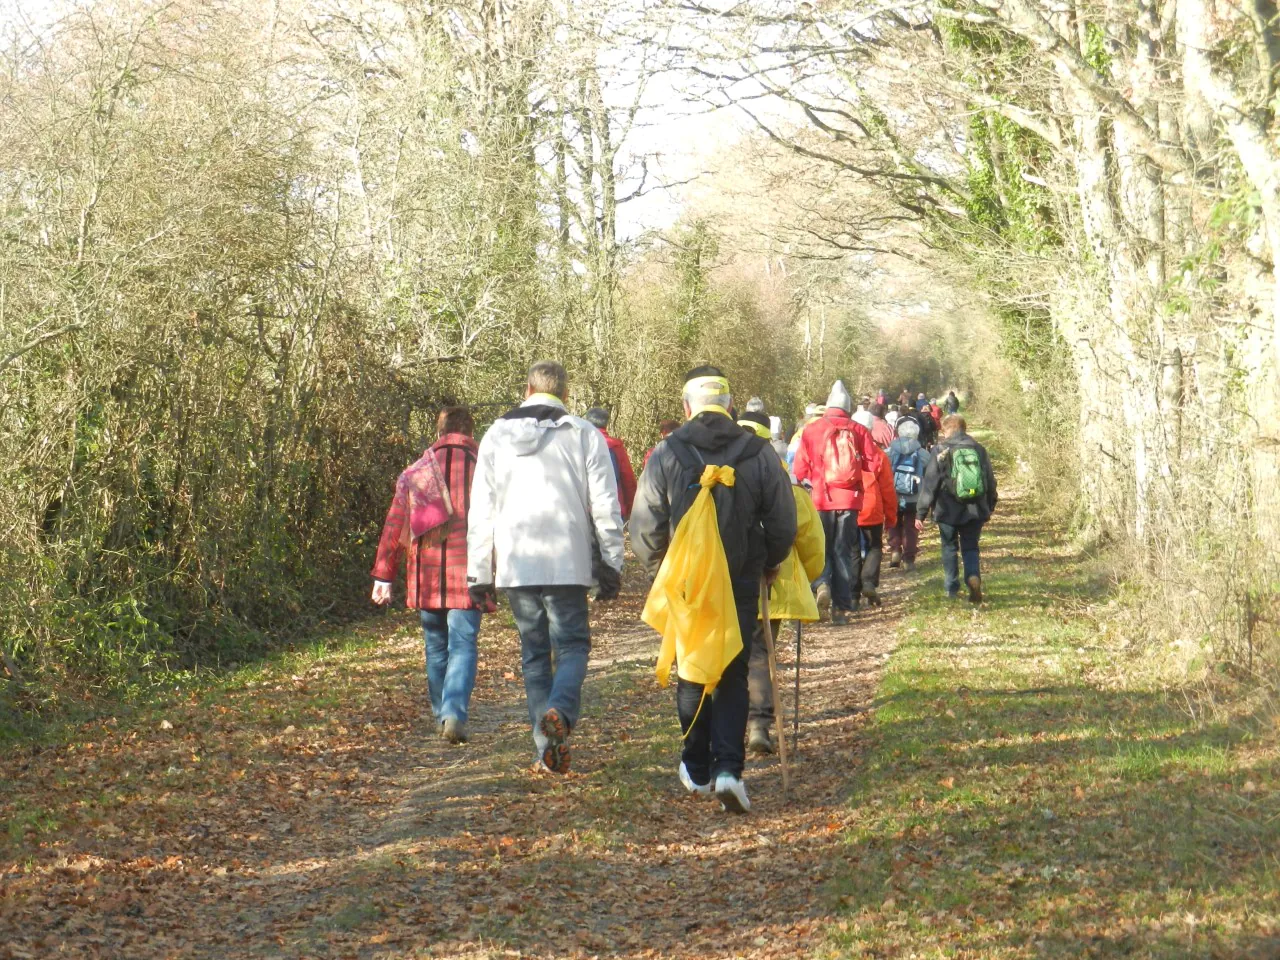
454	730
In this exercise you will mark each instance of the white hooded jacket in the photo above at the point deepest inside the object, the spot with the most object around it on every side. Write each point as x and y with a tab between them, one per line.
544	488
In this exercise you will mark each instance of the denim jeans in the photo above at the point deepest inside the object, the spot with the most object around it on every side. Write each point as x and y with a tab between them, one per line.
961	540
715	742
844	557
450	637
552	619
871	542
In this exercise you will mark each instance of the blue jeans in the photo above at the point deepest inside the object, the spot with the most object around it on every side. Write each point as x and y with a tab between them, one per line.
552	619
450	637
844	557
962	540
716	742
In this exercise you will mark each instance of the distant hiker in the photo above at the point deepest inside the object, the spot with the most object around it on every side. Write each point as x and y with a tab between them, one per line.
622	472
928	429
879	508
437	570
544	488
935	411
960	488
881	431
812	412
665	427
951	404
791	598
921	402
753	533
774	424
907	460
882	398
831	459
904	398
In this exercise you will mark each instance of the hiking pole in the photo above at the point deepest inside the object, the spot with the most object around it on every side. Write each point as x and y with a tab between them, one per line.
795	729
773	683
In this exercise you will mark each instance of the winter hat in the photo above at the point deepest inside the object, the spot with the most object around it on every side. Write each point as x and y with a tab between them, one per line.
863	417
755	405
891	417
597	417
839	398
908	429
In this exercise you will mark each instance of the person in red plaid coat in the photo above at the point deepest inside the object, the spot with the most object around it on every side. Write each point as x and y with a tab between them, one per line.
437	578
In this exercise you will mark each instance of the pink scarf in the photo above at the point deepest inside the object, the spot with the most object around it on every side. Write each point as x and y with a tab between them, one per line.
427	495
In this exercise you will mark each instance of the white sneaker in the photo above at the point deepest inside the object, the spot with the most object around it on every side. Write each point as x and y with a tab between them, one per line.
687	781
732	794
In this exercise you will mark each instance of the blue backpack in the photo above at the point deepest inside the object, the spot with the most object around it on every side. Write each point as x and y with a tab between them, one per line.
908	473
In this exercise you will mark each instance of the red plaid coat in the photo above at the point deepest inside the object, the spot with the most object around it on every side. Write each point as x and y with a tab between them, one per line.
437	576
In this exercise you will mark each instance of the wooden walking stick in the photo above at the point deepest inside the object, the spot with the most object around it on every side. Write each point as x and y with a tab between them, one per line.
773	682
795	729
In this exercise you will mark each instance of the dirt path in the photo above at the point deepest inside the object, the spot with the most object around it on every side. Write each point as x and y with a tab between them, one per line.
314	814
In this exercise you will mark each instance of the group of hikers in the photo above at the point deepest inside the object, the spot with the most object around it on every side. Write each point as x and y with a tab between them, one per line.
727	518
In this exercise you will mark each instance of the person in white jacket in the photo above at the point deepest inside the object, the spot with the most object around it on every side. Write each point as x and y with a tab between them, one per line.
543	495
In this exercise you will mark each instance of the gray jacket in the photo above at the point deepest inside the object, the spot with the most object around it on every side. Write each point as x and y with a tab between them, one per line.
544	489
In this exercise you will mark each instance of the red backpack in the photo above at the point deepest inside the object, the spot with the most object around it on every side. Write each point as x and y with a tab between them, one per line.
842	462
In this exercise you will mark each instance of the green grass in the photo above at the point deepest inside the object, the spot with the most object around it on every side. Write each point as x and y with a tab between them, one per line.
1025	796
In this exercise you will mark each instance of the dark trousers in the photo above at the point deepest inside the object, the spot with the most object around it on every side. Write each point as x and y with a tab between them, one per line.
871	542
903	537
715	742
759	684
844	557
962	541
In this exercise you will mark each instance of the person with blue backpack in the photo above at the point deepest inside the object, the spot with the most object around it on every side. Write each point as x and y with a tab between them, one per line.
960	488
907	459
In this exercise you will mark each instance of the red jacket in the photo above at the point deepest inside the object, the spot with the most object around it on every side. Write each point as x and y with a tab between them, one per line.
437	577
879	498
809	460
626	476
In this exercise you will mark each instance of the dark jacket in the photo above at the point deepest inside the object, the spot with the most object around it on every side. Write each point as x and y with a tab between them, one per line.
761	497
936	492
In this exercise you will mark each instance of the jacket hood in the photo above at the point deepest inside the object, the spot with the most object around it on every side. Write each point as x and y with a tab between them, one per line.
709	431
526	427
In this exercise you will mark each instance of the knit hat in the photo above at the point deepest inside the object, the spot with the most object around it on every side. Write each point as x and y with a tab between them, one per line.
839	397
908	429
597	417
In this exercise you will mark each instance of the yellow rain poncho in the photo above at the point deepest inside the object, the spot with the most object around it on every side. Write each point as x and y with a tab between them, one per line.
691	601
791	597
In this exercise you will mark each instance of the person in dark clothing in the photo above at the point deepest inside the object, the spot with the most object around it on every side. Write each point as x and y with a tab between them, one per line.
951	404
757	521
960	488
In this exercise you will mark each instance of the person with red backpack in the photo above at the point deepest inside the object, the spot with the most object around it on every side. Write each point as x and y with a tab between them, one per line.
879	509
598	417
831	460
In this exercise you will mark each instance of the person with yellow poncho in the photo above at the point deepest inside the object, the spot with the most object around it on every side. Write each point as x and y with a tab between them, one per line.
790	598
713	515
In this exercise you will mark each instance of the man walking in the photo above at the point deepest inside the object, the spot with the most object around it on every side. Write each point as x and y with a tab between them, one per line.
832	456
960	487
756	518
437	576
908	461
879	508
544	488
598	417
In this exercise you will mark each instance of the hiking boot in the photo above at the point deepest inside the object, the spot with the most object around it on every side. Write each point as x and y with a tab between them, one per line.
839	618
871	596
698	790
732	794
758	739
909	566
556	753
824	601
895	558
454	730
975	590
